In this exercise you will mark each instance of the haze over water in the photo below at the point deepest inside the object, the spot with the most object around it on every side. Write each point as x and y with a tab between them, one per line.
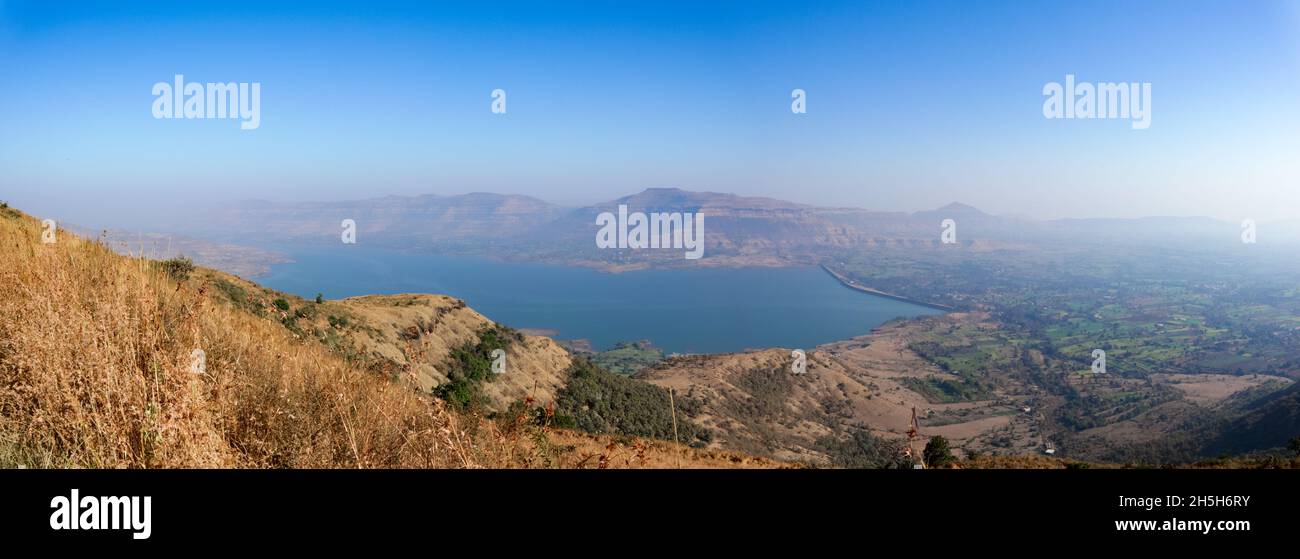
710	310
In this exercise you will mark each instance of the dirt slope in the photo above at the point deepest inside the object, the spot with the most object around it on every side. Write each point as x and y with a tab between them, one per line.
408	336
756	404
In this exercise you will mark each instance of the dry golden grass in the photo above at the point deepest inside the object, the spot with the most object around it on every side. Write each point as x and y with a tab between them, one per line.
96	371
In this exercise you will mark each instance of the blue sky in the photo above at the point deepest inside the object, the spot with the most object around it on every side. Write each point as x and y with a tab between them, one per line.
911	105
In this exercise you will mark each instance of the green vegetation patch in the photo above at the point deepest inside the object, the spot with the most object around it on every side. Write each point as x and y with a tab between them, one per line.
626	358
470	365
946	391
863	450
598	401
238	296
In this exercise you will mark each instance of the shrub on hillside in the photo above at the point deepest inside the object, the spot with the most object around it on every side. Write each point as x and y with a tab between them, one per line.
178	268
937	453
470	365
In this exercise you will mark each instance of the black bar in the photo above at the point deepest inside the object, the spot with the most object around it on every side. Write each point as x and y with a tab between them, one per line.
958	510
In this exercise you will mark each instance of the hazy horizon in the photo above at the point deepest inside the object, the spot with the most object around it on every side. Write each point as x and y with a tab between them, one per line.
163	218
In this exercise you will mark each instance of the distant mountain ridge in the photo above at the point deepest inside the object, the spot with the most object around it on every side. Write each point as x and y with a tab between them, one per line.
740	230
466	215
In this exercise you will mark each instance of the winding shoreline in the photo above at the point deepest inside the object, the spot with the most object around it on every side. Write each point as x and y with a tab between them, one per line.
846	282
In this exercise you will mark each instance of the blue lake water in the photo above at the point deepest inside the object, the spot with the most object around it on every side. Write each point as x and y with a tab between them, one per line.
705	310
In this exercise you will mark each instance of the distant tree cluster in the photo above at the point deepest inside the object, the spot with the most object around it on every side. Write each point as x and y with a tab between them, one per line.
599	401
626	358
863	450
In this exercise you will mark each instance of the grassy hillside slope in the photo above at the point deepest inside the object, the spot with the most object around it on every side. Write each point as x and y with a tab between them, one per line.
110	361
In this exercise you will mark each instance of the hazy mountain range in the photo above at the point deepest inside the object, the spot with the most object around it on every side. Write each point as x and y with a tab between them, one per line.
740	230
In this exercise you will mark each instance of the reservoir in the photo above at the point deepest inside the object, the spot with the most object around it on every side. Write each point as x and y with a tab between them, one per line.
695	310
